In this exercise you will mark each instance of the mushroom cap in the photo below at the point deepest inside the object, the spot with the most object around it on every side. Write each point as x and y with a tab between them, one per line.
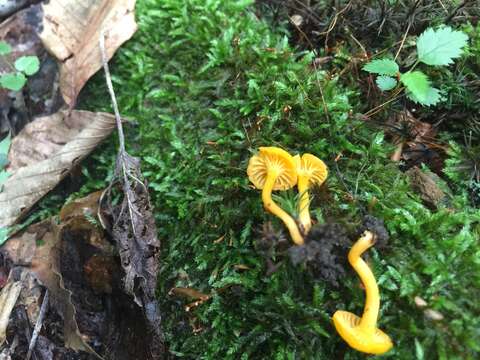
347	325
272	159
312	167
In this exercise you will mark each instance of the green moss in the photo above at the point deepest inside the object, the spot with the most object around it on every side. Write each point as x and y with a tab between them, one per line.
207	83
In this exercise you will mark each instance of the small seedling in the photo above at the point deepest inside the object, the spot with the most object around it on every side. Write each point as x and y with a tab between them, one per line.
23	66
434	48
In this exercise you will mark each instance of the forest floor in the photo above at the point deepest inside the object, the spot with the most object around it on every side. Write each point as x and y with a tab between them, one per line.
206	83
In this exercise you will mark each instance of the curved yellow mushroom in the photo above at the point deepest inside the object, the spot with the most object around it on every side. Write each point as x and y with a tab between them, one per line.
362	333
274	169
311	171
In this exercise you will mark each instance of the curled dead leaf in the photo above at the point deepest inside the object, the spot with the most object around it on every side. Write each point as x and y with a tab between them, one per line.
71	30
189	292
83	131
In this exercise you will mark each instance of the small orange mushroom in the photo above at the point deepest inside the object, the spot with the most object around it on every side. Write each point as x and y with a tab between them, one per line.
361	333
274	169
310	171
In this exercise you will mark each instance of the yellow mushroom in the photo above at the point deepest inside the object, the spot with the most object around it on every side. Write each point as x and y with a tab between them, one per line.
310	171
362	333
274	169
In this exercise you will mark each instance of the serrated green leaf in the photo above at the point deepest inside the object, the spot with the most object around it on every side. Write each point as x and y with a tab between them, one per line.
382	67
440	47
416	83
433	97
13	82
29	65
386	82
5	48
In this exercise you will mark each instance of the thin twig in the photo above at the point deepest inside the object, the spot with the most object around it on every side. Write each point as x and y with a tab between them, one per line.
108	79
365	54
303	34
376	109
122	154
443	6
38	325
403	40
455	11
334	22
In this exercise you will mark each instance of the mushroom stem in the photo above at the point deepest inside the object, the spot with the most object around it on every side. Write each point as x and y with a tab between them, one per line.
270	205
304	215
372	302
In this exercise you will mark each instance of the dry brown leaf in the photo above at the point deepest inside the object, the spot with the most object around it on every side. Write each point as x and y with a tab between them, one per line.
71	30
44	137
8	299
21	249
189	292
83	130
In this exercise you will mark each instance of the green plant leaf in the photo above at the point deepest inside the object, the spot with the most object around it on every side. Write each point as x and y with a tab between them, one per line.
3	161
382	67
386	82
3	235
27	64
13	82
416	83
439	47
4	147
433	97
5	48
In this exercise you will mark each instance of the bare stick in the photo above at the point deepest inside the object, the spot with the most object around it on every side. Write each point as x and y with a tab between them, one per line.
38	325
110	90
403	40
455	11
122	152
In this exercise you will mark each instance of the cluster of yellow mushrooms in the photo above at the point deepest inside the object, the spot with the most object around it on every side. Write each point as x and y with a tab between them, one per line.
275	169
